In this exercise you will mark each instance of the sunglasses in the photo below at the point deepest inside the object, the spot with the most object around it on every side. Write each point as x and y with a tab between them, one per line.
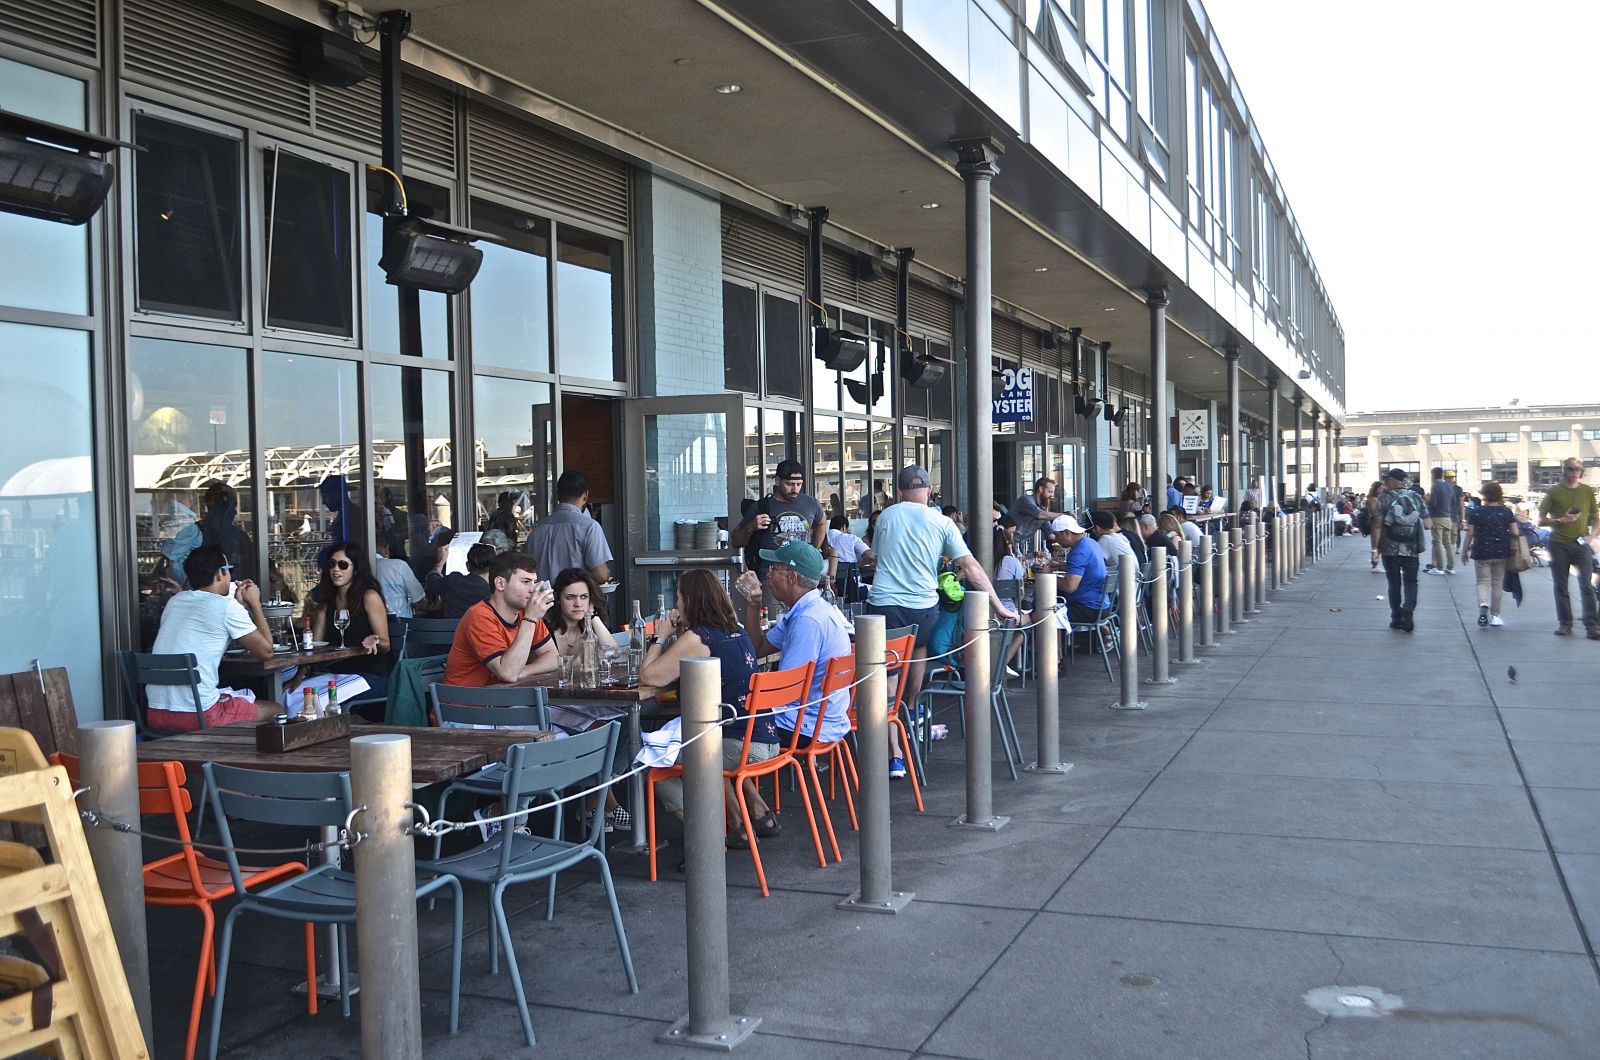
339	564
225	566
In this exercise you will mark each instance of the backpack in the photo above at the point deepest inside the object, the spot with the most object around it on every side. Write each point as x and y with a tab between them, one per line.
1402	520
1363	521
758	538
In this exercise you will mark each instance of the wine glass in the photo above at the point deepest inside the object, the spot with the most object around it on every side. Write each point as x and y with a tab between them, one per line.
341	622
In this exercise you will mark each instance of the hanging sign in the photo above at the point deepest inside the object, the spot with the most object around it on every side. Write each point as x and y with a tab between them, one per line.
1194	428
1015	402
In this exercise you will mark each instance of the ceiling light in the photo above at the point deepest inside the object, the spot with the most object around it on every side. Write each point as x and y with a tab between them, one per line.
680	62
729	89
1111	309
930	206
1041	268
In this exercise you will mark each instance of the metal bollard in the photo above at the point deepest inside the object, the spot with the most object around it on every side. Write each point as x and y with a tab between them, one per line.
1159	602
1208	598
709	1024
1047	663
1261	564
1224	579
980	766
1186	601
1236	576
1247	570
1128	621
876	895
386	897
111	771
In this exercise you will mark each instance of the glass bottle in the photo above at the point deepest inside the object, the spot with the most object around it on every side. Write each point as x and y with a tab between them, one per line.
636	631
589	655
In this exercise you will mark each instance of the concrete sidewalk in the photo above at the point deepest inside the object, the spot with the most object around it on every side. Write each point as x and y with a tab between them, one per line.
1321	804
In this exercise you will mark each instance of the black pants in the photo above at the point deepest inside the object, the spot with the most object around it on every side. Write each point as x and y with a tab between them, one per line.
1402	574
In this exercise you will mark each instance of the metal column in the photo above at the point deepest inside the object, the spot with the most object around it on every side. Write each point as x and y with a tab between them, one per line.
1128	621
1047	663
976	162
1206	560
1158	601
1299	462
976	662
1235	442
877	893
1160	415
1186	601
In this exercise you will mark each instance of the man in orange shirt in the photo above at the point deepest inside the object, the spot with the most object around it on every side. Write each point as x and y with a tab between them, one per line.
504	638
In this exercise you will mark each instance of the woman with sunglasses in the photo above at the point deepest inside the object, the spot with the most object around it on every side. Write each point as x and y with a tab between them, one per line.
347	585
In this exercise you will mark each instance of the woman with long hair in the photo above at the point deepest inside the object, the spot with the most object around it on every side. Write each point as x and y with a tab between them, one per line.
1491	526
577	599
1132	500
347	584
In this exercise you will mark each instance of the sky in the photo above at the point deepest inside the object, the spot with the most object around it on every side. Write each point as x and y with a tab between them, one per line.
1438	157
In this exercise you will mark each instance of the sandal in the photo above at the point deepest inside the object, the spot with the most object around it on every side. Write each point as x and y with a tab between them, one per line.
768	826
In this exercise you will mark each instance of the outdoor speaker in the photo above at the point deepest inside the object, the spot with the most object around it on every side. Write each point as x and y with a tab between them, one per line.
64	183
326	59
865	392
841	351
429	263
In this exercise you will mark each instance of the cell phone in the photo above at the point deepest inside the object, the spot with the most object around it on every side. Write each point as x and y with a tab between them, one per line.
1572	511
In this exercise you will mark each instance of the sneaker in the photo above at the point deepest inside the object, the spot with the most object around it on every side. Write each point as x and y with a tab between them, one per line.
897	768
618	819
1010	672
1450	571
1564	630
1594	634
1496	620
1406	621
1483	616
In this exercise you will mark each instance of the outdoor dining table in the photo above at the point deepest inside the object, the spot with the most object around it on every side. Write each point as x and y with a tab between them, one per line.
437	755
240	664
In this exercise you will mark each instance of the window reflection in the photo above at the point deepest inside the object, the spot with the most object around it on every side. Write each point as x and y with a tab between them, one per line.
515	447
754	476
45	264
383	298
510	296
193	478
310	426
411	453
589	309
307	224
828	486
51	588
187	245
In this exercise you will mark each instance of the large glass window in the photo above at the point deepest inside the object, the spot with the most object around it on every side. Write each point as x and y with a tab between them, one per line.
306	206
43	264
515	450
411	453
383	298
780	329
310	425
741	339
193	478
827	484
51	586
856	469
188	246
510	296
589	313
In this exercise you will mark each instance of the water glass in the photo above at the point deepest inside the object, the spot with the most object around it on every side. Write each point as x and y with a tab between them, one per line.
564	677
857	609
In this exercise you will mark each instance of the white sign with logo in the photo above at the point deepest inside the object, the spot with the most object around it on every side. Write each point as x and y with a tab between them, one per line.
1015	403
1194	428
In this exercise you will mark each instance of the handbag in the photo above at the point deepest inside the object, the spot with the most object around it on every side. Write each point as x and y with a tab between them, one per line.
1520	559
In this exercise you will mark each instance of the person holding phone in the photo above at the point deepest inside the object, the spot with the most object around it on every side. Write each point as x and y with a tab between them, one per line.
1570	510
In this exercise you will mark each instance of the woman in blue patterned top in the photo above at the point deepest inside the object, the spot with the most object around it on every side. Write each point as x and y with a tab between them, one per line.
1490	528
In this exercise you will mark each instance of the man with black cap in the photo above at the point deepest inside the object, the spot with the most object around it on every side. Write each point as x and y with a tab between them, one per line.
1397	539
910	539
786	514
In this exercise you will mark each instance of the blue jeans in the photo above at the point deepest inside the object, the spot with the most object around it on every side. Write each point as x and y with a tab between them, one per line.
1402	574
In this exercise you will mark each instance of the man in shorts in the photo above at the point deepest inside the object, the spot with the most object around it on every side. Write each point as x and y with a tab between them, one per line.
201	622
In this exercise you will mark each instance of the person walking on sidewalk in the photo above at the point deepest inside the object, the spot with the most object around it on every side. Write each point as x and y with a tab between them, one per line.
1569	510
1487	542
1397	540
1444	507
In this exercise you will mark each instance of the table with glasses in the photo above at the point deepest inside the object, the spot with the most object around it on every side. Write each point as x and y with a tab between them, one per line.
239	664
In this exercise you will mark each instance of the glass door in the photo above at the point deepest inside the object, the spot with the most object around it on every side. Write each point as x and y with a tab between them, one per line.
684	479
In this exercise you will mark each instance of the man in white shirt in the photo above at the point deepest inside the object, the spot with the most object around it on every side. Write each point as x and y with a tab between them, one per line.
396	581
1108	535
201	622
848	547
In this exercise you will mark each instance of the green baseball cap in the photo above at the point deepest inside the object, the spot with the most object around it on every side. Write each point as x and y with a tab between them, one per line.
799	557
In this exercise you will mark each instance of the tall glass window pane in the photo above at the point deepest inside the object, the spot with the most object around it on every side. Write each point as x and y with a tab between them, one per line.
827	484
310	267
995	68
310	417
940	401
383	299
855	390
50	582
411	452
940	27
884	467
741	342
589	320
193	478
188	247
938	455
780	329
515	450
45	265
510	297
855	468
684	471
754	475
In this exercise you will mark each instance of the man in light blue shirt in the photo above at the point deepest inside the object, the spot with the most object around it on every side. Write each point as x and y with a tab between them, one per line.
810	631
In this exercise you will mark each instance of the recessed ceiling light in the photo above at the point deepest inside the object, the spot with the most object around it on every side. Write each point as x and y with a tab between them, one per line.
1111	309
680	62
930	206
1041	268
729	89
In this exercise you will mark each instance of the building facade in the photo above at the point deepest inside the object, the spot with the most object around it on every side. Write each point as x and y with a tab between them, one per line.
217	352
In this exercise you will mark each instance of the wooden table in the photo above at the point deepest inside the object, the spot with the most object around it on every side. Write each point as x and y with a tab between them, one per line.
250	668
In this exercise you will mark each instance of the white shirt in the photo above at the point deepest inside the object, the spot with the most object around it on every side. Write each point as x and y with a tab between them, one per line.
1192	532
398	584
849	547
1113	545
199	623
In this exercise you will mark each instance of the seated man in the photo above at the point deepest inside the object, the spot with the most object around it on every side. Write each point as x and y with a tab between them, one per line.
1113	544
1083	577
504	639
459	591
201	622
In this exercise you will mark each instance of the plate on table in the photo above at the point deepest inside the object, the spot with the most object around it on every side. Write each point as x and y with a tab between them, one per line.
319	644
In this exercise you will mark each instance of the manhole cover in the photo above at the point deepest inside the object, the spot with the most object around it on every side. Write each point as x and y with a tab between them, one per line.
1360	1002
1139	979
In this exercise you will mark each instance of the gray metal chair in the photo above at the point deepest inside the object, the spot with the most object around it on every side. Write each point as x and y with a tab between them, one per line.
511	857
1000	638
1011	590
141	670
1105	632
429	636
325	894
500	708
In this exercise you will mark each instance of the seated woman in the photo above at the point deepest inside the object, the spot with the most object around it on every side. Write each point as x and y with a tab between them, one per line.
577	598
348	585
703	625
1208	497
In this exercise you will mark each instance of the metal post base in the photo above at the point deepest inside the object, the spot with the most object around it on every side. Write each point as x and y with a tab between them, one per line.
898	900
993	824
1162	681
1060	770
1129	706
328	988
740	1028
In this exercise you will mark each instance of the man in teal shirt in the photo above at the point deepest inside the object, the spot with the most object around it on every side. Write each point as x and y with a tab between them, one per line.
1569	509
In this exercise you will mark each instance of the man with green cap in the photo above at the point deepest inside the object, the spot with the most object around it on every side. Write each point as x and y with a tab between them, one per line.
809	631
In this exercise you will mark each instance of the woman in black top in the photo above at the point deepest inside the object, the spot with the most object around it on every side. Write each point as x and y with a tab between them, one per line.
347	584
1490	528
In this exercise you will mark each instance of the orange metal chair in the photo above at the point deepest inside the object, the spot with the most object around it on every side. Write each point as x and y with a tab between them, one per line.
768	692
836	676
188	878
897	654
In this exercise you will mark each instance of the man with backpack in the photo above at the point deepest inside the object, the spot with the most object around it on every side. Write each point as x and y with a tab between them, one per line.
1397	539
786	514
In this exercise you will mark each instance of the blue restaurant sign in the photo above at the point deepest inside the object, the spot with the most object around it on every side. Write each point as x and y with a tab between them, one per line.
1015	401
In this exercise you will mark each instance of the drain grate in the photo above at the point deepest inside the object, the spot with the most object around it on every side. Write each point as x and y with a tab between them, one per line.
1360	1002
